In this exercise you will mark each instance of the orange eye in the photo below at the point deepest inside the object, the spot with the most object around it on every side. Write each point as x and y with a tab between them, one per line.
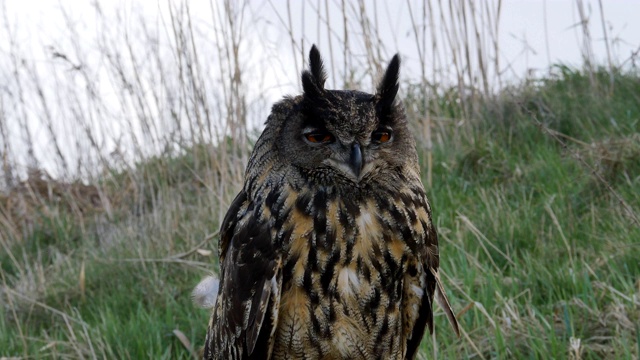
381	136
319	138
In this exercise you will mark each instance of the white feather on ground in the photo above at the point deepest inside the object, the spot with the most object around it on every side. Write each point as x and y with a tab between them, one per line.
206	292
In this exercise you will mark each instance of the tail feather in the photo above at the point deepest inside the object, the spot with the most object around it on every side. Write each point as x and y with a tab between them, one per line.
441	298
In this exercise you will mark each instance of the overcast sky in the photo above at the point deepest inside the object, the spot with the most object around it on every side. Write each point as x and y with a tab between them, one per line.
531	35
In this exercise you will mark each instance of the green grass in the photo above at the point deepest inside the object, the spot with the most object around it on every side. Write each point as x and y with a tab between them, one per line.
559	257
536	243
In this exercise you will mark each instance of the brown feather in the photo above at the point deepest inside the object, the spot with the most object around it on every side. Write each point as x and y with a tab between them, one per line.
329	251
443	301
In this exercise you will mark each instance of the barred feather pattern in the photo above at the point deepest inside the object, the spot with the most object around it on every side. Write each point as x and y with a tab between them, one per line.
314	265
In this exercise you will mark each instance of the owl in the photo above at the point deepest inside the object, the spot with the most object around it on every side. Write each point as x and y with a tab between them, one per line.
329	250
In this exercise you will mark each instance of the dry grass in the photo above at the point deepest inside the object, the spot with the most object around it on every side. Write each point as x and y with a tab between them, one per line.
117	172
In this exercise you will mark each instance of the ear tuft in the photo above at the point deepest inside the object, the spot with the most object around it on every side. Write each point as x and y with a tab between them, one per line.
317	67
314	78
388	88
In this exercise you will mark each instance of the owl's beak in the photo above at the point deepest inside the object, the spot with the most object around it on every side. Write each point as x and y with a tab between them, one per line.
355	160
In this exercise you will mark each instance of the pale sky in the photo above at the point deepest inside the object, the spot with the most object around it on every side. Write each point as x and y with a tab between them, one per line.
528	40
531	36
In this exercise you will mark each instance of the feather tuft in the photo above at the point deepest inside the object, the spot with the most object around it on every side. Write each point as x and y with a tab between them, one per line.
388	88
206	292
313	79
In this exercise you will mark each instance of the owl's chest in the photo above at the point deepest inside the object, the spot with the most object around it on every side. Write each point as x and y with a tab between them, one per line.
343	280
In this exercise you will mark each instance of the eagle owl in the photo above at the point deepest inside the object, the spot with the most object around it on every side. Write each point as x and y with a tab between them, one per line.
329	251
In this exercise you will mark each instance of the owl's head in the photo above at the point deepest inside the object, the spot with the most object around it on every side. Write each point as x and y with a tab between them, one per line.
346	134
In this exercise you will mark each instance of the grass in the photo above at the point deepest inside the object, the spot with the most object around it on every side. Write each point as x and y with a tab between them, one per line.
534	195
532	233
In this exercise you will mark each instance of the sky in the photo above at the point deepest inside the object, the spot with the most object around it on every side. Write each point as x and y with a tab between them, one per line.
533	33
531	36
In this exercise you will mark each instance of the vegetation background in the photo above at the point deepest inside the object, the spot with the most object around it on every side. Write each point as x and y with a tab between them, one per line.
113	189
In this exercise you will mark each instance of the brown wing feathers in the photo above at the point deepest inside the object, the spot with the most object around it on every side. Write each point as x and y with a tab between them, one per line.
249	288
441	298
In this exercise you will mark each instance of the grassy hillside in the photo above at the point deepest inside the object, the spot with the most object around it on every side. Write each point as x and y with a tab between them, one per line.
535	195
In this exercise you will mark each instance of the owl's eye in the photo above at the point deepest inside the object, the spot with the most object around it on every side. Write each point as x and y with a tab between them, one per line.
381	136
319	137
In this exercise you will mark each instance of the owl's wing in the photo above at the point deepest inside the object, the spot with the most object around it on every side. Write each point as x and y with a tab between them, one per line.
443	301
229	224
432	288
245	314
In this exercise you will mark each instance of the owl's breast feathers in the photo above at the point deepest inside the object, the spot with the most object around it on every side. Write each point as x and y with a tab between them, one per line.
319	273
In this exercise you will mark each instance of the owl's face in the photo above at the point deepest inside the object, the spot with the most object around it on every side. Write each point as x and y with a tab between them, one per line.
338	135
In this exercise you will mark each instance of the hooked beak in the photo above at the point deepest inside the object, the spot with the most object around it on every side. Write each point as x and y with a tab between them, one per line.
355	160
